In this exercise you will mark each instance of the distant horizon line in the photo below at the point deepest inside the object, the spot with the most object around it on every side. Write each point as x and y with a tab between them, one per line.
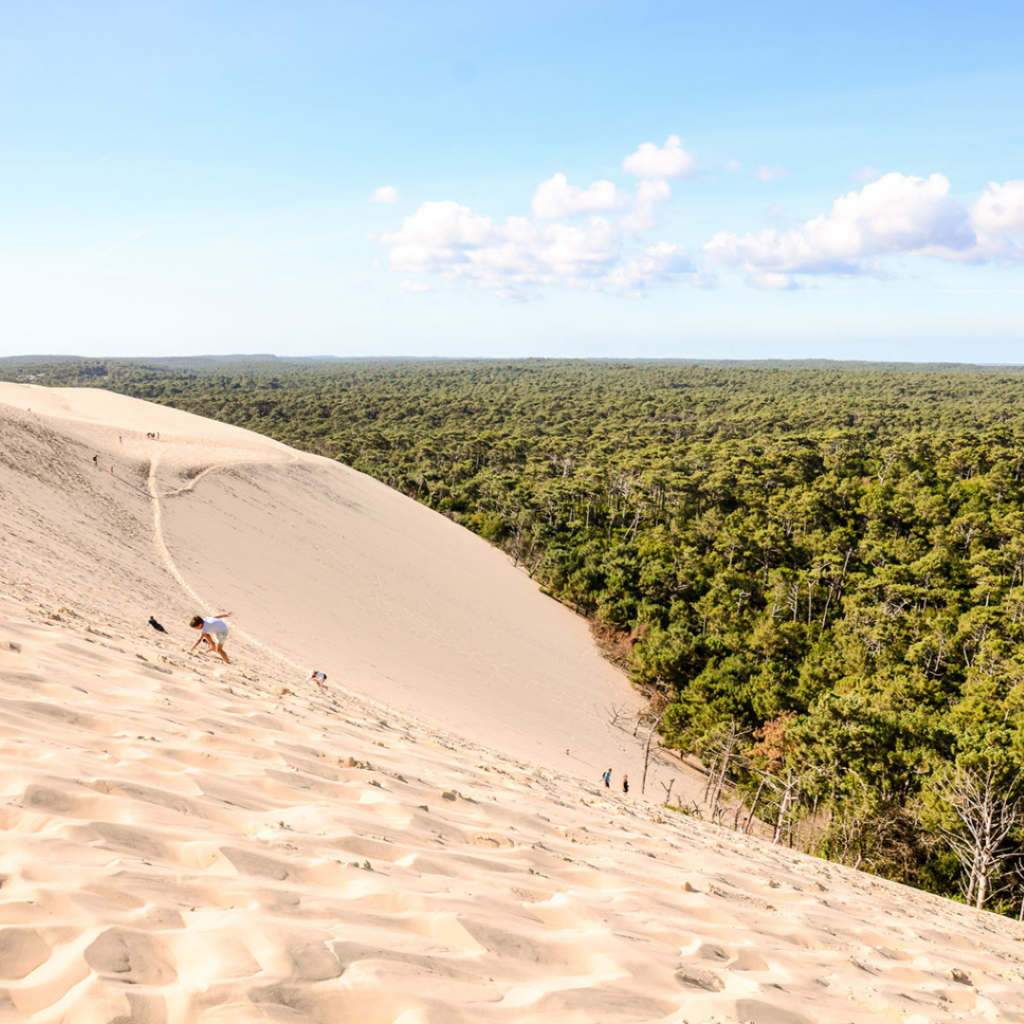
56	358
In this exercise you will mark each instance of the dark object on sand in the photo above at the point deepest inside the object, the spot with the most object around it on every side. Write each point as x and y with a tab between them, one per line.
156	625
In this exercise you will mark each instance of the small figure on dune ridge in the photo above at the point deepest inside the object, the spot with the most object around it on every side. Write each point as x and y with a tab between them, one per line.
625	783
607	779
156	625
214	631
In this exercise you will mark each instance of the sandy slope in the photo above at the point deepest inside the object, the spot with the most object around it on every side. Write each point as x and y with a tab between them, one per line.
187	842
324	566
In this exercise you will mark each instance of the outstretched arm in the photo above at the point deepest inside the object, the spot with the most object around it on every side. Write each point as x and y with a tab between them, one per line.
224	615
208	638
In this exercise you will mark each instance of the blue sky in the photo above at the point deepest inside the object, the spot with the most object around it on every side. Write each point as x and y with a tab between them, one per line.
709	180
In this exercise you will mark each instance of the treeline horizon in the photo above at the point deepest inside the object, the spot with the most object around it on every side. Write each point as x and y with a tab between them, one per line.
21	367
815	572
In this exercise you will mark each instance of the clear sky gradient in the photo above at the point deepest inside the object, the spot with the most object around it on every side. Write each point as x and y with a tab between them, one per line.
693	180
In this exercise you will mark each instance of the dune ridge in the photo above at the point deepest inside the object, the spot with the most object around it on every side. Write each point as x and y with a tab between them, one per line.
184	841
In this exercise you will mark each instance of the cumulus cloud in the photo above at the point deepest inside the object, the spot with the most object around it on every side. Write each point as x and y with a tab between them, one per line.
896	215
578	237
642	215
590	236
998	219
771	282
662	263
556	198
668	161
511	260
766	173
439	233
519	258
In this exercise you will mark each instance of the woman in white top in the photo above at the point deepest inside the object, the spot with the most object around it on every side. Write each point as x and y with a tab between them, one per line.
214	631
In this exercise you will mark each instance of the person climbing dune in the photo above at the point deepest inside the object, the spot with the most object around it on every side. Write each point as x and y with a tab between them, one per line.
214	631
318	677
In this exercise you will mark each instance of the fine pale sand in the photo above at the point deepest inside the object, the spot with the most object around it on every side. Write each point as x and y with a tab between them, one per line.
427	839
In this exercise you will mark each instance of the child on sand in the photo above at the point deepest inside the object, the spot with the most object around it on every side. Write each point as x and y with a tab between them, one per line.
214	631
317	677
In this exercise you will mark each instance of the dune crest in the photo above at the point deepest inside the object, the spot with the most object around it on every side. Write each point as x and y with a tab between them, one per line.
185	841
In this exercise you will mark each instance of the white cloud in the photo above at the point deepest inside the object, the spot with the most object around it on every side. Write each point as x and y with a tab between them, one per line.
384	194
865	175
893	216
733	166
438	235
586	237
1000	210
772	282
766	173
668	161
641	216
998	218
661	263
524	255
511	260
520	257
574	252
572	240
557	198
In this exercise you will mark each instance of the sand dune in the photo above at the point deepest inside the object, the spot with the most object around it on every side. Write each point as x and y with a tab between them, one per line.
184	841
323	566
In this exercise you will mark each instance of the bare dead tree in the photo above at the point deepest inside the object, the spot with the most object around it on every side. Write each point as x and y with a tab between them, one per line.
729	742
890	458
988	809
782	789
647	747
668	790
617	715
757	797
651	718
788	789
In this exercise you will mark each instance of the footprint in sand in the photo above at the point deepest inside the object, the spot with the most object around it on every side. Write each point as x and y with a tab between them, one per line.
131	956
22	950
